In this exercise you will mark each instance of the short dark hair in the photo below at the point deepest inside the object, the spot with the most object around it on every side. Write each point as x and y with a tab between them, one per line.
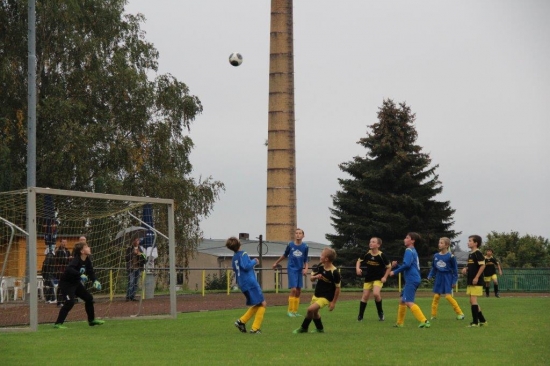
233	244
414	236
78	248
476	239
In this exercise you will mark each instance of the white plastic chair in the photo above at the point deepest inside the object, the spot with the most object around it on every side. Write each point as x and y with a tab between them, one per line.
16	284
39	287
3	290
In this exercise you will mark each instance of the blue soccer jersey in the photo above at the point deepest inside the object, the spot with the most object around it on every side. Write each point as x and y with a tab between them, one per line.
297	256
244	270
445	270
410	266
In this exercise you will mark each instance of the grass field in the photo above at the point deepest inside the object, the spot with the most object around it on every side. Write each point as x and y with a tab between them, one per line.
518	334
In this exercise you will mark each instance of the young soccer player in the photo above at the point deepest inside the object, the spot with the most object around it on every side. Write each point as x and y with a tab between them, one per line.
490	272
411	269
378	268
327	291
71	285
246	279
474	270
445	270
297	254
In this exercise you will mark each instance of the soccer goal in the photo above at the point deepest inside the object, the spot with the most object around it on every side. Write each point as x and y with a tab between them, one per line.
36	225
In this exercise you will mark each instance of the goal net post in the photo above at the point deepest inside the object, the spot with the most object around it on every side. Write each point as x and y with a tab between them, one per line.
38	230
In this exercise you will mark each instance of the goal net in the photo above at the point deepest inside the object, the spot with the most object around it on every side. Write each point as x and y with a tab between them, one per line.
34	256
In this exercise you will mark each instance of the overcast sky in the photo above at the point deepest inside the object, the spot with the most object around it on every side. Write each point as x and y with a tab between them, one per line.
476	73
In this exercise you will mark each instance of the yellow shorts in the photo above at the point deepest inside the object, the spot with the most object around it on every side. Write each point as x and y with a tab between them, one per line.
321	301
370	285
490	278
474	290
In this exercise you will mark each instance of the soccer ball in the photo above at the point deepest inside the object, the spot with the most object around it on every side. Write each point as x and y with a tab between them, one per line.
235	59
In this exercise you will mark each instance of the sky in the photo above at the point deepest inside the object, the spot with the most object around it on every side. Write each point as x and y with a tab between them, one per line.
475	73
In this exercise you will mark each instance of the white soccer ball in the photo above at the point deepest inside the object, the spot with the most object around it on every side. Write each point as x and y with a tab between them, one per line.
235	59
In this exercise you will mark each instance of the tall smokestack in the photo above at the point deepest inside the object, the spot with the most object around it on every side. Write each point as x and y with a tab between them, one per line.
281	151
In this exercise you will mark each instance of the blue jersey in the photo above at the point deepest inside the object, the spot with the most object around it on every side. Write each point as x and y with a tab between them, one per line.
244	270
297	256
445	270
410	266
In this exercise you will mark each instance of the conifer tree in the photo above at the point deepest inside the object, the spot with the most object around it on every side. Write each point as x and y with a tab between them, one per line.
390	191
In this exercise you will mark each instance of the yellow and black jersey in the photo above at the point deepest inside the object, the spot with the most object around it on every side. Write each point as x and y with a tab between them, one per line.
374	265
491	265
327	284
476	259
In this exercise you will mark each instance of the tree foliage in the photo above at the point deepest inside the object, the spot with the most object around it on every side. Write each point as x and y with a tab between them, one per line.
390	191
102	123
513	250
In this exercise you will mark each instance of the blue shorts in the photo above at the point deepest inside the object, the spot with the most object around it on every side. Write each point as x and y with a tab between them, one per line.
295	279
409	291
443	284
254	296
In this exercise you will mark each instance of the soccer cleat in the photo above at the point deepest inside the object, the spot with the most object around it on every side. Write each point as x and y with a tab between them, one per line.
460	317
483	324
255	331
96	322
426	324
486	295
473	325
381	317
296	314
497	295
59	326
359	318
299	330
396	325
316	330
291	315
433	318
239	324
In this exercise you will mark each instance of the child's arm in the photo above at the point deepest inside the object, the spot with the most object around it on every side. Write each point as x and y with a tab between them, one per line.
499	269
358	267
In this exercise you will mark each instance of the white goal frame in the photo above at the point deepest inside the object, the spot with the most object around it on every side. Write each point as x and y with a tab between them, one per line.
31	235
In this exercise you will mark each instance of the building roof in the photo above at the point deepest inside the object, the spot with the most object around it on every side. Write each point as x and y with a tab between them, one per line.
275	249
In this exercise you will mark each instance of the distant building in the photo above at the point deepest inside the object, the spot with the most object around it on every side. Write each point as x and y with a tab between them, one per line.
213	258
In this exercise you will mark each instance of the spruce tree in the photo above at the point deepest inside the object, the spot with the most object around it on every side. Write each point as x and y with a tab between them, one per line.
390	191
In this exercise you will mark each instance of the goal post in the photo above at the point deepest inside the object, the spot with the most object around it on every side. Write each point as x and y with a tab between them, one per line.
109	223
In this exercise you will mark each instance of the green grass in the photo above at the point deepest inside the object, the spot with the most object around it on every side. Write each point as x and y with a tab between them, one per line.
517	334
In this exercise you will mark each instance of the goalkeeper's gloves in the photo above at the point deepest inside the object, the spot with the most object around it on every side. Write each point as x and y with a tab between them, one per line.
97	285
83	278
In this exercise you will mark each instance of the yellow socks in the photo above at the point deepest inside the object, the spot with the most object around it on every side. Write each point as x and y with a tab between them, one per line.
435	303
249	314
259	317
401	312
454	304
293	304
418	313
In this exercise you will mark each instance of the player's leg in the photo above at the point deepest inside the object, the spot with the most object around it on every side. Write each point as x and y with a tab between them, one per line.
377	292
257	297
292	285
69	293
298	292
495	285
364	299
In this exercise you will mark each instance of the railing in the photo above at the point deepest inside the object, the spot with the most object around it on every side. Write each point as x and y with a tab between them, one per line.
216	279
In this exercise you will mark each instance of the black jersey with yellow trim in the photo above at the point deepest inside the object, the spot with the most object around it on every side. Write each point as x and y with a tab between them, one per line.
329	281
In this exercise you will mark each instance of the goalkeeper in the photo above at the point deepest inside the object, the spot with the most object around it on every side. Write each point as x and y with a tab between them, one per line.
71	284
